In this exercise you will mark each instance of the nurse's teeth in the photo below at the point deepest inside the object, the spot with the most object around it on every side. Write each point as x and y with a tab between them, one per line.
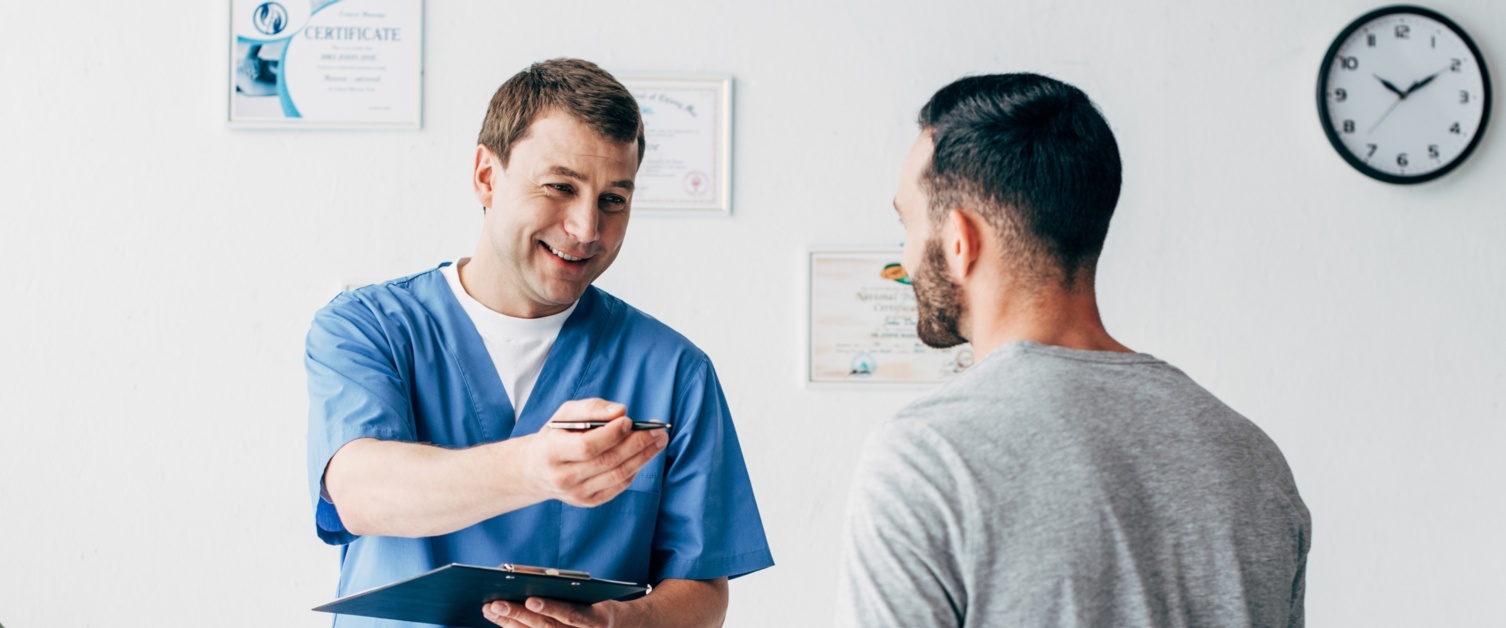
562	255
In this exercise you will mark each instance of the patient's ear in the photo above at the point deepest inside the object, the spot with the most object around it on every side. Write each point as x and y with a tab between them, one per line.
962	237
484	175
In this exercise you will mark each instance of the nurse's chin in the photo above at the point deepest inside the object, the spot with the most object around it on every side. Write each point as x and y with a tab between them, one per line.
562	295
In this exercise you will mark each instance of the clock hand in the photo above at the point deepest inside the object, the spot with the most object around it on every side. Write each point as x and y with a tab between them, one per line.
1401	96
1418	85
1393	88
1377	124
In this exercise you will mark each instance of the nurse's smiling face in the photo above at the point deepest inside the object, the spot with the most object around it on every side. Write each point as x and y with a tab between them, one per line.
556	217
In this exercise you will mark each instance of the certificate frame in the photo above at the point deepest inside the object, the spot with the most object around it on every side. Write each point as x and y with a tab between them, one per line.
875	344
687	161
381	79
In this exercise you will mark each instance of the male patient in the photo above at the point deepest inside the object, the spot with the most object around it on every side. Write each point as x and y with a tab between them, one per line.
428	393
1064	479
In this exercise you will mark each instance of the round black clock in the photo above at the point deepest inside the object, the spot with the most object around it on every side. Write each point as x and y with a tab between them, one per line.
1403	94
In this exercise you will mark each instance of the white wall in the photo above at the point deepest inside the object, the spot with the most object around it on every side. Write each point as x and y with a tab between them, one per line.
162	271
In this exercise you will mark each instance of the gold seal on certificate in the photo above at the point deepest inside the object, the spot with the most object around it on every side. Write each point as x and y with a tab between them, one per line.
687	128
862	324
325	63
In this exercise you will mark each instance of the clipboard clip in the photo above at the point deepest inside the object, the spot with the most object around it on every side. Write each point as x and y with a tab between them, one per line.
546	571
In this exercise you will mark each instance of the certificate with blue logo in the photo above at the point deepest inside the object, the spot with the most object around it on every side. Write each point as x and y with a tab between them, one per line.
326	63
861	326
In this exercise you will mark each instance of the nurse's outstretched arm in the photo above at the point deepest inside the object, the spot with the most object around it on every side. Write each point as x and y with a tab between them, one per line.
397	488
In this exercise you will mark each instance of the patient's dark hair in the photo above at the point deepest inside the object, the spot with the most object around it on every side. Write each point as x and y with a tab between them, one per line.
1034	157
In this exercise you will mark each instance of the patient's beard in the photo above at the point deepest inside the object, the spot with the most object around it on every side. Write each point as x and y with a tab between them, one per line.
938	300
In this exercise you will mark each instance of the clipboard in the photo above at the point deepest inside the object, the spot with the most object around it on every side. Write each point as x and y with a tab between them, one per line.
453	595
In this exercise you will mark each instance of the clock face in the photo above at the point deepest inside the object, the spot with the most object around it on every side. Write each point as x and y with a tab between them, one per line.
1403	95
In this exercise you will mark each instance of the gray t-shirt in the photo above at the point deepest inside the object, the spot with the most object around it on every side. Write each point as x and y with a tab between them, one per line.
1052	487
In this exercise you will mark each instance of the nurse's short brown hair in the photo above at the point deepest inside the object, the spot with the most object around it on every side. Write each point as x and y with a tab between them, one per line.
574	87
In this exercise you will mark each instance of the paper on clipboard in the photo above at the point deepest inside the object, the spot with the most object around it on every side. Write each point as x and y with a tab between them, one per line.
453	595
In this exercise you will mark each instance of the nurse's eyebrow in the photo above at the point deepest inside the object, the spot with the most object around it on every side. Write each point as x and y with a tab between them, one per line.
626	184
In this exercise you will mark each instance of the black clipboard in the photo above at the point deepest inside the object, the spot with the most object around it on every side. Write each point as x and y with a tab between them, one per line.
453	595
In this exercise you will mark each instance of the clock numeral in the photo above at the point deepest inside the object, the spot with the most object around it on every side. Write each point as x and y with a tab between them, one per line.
1463	97
1455	65
1455	129
1433	151
1401	159
1341	94
1433	41
1350	63
1372	151
1370	40
1402	31
1349	126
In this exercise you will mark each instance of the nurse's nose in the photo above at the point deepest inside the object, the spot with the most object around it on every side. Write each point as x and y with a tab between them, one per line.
582	220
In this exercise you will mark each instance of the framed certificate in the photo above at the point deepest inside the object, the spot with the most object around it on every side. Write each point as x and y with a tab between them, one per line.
687	126
325	63
861	323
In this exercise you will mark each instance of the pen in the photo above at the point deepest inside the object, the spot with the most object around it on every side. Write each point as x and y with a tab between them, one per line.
591	425
546	571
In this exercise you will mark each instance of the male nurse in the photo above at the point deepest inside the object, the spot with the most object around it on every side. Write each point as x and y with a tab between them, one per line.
430	394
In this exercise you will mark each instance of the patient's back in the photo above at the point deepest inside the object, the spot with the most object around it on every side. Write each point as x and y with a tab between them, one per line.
1052	487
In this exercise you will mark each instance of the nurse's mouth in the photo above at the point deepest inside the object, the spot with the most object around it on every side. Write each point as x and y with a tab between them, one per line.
562	255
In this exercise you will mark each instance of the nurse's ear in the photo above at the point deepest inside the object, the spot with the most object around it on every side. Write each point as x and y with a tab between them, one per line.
487	170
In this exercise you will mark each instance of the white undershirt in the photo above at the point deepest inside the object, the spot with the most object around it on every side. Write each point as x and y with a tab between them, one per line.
517	346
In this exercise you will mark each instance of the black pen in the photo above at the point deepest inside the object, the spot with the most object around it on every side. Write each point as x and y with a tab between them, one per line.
591	425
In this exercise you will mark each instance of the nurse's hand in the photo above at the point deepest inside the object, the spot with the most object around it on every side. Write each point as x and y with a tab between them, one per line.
674	602
589	468
542	613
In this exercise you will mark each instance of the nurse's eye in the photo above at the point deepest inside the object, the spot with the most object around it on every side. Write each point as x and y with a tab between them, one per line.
613	203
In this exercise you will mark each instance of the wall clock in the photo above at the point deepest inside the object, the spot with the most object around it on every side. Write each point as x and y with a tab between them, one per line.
1403	94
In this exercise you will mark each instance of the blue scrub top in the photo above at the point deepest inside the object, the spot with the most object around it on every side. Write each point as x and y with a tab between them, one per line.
402	361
